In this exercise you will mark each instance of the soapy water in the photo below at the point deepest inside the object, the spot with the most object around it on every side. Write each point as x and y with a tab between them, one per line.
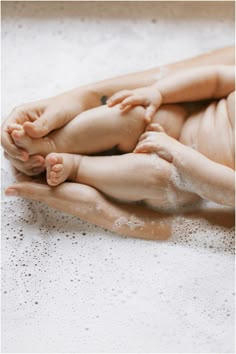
194	232
179	181
132	222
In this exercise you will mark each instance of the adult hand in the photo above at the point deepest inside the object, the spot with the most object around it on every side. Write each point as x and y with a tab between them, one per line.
34	166
90	205
73	198
41	117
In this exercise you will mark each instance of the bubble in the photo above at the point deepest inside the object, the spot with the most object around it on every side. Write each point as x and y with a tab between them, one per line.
132	222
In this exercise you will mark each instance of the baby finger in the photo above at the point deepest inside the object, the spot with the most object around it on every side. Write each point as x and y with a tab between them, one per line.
155	127
131	101
150	112
144	147
118	97
148	135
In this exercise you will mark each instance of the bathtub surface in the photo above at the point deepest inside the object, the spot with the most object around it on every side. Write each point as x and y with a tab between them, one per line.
71	287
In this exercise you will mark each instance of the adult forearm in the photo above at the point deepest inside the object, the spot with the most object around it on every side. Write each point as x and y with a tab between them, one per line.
98	91
134	220
90	205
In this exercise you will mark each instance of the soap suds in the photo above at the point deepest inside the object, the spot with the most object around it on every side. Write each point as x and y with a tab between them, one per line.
179	181
133	222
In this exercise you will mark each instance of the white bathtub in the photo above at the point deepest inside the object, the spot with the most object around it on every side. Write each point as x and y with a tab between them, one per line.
68	286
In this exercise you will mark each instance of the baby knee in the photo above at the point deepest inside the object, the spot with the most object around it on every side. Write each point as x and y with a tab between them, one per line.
136	116
133	126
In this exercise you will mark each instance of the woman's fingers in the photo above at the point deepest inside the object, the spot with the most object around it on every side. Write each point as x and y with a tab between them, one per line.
118	97
28	190
12	150
72	198
34	166
13	126
16	118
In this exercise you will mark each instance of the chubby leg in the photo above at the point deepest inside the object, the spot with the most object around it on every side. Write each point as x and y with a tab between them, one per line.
93	131
101	129
129	177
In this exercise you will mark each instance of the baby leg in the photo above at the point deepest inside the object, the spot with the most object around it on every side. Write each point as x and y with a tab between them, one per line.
171	117
93	131
129	177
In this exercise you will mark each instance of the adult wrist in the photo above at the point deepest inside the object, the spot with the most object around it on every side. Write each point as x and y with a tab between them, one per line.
89	97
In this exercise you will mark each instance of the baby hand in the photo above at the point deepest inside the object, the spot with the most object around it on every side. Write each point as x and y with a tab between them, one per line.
155	140
148	97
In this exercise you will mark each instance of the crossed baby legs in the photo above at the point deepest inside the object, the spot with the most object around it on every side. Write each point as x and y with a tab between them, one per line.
93	131
100	129
130	177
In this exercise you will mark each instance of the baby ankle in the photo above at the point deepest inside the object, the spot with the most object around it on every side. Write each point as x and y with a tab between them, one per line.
49	146
75	168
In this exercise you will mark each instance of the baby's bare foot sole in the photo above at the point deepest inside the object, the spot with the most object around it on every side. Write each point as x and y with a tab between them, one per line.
62	167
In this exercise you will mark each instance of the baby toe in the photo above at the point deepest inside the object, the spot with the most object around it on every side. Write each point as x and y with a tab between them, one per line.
57	168
51	159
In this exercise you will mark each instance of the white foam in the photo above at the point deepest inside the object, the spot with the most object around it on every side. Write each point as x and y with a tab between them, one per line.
132	222
180	181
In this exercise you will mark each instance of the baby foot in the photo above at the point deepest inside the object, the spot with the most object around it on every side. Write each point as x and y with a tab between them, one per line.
62	167
40	146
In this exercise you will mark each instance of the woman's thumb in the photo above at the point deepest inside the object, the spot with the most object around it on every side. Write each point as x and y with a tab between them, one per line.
42	126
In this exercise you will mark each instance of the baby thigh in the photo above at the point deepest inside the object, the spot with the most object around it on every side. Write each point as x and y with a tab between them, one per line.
171	117
101	129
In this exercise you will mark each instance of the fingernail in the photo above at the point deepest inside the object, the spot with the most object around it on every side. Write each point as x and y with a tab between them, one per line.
11	192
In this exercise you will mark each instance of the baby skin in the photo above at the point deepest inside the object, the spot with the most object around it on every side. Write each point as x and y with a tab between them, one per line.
135	177
193	159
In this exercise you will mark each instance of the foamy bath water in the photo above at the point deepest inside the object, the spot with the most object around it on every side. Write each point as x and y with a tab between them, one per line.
68	286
